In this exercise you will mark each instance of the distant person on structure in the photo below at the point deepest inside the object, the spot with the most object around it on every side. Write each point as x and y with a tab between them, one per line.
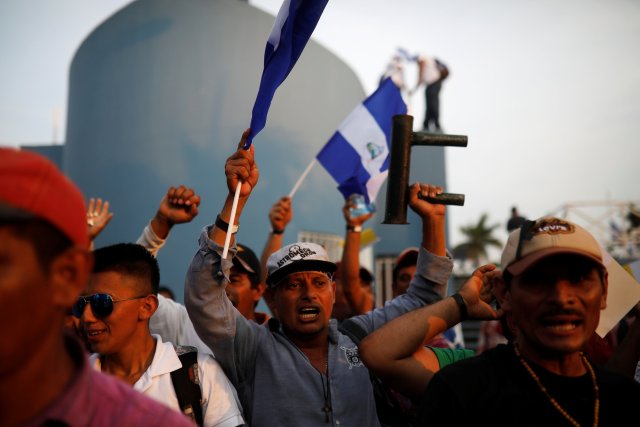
395	70
515	221
432	72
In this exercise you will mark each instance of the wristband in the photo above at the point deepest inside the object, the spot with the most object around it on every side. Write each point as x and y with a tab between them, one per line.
224	226
274	231
462	306
354	228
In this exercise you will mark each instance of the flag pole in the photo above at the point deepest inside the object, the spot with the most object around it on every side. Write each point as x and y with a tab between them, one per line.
302	177
234	206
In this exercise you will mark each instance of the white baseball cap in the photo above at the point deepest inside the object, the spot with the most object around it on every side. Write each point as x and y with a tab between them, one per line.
297	257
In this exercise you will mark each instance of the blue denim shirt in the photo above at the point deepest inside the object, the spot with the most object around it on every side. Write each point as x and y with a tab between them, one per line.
276	383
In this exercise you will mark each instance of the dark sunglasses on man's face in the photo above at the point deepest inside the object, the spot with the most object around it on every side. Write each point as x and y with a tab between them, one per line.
101	304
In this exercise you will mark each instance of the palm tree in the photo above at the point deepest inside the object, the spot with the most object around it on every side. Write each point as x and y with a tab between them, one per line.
479	238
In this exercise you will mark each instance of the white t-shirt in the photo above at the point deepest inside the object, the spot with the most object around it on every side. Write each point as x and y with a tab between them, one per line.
430	69
220	406
171	321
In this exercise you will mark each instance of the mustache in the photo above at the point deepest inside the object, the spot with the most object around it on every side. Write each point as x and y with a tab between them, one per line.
561	311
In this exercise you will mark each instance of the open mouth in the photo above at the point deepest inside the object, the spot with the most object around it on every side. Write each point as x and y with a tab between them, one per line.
308	313
92	334
561	326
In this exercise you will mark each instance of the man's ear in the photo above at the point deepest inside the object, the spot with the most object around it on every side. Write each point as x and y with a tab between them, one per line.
148	306
257	291
333	286
69	273
501	292
605	289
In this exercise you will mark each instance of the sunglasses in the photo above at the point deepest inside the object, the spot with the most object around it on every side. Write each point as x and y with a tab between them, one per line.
101	304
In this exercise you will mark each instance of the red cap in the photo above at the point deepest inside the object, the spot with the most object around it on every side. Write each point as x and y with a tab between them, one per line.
33	187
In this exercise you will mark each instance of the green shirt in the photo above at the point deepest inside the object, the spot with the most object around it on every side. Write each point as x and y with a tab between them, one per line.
447	356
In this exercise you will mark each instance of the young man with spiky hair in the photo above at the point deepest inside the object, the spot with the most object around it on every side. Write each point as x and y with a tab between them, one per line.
114	314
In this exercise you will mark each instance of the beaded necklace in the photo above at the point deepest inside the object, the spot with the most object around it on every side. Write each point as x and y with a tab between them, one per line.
554	402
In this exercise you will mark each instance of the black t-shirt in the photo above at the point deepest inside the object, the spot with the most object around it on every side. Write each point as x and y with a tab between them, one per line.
495	389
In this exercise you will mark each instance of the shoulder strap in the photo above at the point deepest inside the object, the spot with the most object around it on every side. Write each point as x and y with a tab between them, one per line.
186	382
354	331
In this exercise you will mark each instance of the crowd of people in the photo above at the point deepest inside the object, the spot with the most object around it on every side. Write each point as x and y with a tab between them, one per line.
89	339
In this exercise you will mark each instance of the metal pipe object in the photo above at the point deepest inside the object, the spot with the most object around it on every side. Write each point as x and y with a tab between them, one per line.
402	139
451	199
438	139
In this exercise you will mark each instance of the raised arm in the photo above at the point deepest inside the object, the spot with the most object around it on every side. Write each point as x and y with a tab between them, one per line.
280	215
98	216
217	322
178	206
358	298
239	168
433	217
429	284
395	352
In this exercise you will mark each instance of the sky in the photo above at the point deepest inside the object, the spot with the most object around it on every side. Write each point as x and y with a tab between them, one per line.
547	91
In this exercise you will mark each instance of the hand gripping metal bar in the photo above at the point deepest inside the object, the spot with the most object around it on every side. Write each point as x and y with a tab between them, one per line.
402	140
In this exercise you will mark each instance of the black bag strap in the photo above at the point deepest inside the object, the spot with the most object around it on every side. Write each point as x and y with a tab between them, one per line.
186	382
354	331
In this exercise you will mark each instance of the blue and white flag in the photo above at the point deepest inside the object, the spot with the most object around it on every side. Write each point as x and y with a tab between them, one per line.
294	24
357	155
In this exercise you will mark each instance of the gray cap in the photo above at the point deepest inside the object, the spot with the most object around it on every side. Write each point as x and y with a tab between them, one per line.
297	257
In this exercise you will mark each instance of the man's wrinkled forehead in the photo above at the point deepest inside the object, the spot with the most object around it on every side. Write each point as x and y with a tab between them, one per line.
299	275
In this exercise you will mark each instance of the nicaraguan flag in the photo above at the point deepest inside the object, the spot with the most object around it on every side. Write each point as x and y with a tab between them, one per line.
357	155
294	24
